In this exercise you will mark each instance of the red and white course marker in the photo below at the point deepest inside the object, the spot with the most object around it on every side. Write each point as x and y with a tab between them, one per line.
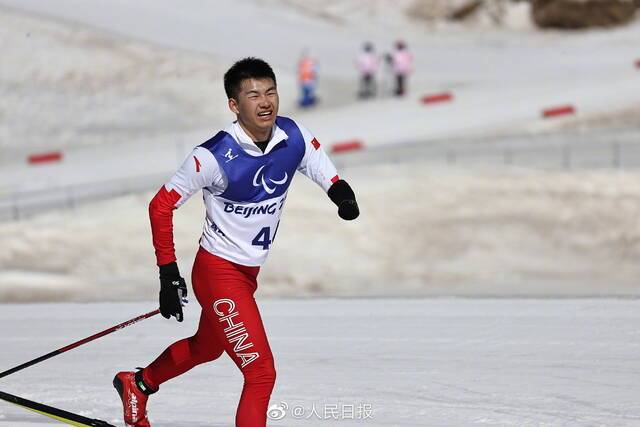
562	110
51	157
437	98
346	146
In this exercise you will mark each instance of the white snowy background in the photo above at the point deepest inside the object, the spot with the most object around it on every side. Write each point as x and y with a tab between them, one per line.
125	89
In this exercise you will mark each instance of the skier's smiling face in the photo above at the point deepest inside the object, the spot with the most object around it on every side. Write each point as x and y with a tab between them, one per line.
256	106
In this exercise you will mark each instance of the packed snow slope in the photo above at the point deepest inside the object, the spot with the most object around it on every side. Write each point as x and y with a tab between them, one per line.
417	363
127	88
421	232
66	85
118	89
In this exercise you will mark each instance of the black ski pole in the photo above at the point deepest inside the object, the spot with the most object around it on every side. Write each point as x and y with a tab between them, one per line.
79	343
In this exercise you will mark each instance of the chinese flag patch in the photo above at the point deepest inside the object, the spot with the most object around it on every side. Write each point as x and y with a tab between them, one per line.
197	163
315	143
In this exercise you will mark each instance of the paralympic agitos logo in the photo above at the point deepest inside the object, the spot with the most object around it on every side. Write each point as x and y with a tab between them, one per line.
258	180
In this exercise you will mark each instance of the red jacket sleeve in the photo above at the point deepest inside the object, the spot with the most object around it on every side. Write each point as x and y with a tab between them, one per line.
199	170
161	216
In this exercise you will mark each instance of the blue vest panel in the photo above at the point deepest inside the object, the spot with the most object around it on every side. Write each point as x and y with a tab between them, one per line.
252	179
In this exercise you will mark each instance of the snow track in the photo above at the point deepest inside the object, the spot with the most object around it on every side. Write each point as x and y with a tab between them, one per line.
419	362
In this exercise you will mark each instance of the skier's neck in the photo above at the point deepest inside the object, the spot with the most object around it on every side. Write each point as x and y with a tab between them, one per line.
257	134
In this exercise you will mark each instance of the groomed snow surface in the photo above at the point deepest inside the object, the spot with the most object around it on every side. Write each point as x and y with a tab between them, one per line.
419	362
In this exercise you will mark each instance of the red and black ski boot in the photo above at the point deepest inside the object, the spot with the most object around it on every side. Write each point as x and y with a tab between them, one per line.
134	393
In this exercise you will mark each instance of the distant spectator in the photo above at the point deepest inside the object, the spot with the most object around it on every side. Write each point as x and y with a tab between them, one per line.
402	66
367	65
308	80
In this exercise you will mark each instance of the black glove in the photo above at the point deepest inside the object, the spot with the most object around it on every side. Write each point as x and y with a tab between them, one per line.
343	196
348	210
173	292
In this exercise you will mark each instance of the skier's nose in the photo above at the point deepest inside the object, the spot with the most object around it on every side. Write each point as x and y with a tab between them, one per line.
264	103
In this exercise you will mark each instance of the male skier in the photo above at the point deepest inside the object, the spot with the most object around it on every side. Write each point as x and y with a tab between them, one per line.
244	173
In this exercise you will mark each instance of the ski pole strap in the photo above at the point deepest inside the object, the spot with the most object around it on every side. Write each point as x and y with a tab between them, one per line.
54	413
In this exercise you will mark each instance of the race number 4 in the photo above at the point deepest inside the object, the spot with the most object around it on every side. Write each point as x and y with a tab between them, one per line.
264	238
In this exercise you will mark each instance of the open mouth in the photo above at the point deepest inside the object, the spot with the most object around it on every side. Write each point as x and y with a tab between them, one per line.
265	114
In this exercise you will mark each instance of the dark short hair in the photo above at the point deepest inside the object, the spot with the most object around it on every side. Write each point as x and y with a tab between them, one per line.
246	68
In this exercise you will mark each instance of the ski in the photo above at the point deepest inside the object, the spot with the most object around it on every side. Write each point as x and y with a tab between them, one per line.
54	413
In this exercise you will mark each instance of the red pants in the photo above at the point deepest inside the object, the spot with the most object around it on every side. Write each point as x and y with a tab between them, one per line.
229	322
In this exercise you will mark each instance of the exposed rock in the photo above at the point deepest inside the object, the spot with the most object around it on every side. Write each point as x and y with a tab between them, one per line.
475	13
466	9
573	14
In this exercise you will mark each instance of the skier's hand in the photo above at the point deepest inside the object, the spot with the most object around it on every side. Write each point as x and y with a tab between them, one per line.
173	292
348	210
343	196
